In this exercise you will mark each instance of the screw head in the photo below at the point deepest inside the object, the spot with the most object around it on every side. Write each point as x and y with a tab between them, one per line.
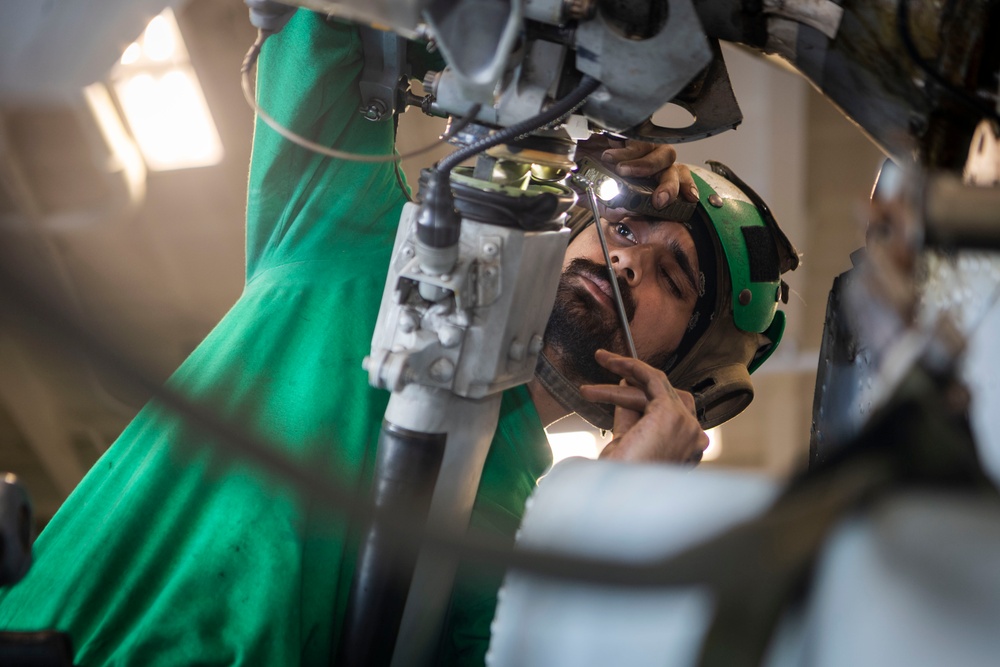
516	351
408	321
375	111
450	336
442	370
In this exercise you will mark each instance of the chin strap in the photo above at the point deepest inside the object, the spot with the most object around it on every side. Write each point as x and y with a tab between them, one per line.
567	394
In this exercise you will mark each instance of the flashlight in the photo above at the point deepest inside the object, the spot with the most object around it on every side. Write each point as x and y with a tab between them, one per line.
634	195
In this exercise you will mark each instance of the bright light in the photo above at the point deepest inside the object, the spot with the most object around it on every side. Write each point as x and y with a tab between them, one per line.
160	39
162	100
714	449
170	119
132	54
574	443
587	444
608	189
125	152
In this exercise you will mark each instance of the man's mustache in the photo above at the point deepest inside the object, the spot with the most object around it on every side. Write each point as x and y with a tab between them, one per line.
586	268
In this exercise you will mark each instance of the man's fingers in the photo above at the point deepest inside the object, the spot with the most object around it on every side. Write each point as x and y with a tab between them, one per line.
628	397
668	188
688	400
686	185
640	158
653	381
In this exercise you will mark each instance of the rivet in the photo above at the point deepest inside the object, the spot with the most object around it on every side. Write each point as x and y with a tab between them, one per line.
745	297
715	200
442	370
450	336
408	321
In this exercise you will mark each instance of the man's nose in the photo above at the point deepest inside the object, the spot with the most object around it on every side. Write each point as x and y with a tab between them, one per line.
632	262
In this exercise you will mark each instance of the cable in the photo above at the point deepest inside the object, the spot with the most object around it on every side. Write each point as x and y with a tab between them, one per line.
248	95
562	108
322	486
903	27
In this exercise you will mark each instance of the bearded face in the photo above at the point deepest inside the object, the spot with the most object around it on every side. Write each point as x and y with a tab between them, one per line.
584	321
658	274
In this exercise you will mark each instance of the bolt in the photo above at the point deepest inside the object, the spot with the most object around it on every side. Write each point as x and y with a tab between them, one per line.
442	370
745	297
450	336
375	110
715	200
408	321
535	344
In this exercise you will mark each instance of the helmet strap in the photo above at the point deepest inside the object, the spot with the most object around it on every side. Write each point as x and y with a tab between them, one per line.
567	394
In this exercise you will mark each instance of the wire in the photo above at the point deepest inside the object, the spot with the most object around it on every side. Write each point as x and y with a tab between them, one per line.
619	303
557	111
248	95
314	483
903	27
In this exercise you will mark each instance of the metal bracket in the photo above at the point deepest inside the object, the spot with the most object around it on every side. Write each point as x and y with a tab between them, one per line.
385	66
709	98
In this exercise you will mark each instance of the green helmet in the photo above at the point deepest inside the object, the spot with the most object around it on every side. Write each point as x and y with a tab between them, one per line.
741	326
751	254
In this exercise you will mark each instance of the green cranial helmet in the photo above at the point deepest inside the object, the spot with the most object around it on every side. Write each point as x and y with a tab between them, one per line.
742	254
751	254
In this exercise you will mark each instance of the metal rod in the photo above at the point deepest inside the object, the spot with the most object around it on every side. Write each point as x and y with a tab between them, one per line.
614	278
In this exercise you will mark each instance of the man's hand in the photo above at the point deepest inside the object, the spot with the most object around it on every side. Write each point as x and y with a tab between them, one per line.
653	421
632	158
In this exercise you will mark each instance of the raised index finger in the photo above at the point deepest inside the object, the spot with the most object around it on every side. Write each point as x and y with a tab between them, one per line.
638	373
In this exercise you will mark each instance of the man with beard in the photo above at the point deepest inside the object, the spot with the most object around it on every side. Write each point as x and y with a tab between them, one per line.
700	286
167	555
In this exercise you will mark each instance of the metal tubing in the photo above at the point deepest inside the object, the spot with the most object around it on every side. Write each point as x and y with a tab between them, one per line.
961	216
405	474
611	271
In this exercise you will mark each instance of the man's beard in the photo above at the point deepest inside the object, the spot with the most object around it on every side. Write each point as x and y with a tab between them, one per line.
579	326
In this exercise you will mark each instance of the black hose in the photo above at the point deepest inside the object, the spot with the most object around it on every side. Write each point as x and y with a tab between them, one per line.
561	108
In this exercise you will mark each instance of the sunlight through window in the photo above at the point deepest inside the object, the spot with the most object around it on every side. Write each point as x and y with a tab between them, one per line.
162	100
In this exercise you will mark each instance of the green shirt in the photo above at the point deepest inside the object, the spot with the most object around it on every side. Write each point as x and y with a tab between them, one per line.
169	554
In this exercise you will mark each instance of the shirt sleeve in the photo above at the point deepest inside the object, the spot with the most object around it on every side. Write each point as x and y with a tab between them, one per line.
303	206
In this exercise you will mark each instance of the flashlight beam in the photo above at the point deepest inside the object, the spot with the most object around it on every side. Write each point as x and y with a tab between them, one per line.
592	196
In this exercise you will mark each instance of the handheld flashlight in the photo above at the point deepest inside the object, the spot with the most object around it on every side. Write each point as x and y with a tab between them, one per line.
634	195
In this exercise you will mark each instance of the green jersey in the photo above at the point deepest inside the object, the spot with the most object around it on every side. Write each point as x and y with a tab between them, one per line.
168	553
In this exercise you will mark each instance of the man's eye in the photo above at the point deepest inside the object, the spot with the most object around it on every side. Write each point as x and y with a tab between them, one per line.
623	230
674	288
